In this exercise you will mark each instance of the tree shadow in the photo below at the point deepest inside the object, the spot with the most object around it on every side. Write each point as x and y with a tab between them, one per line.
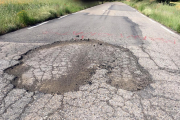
172	4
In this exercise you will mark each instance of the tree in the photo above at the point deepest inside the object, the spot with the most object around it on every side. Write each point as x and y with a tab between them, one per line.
102	1
164	1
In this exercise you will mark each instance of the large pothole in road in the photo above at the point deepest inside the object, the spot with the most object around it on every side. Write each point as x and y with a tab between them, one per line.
64	66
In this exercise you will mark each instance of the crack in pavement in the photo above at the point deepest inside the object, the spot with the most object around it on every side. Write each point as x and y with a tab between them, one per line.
64	66
97	98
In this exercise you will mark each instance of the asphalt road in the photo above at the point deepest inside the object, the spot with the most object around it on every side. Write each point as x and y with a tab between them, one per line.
106	62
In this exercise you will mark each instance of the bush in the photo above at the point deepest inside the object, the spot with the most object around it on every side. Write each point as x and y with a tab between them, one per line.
67	10
138	0
147	11
53	13
141	7
25	19
164	1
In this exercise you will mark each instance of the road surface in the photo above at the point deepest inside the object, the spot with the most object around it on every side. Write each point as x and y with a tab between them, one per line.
106	62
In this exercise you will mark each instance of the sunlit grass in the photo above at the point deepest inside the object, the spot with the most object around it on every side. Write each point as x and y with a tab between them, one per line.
15	1
163	13
15	14
177	4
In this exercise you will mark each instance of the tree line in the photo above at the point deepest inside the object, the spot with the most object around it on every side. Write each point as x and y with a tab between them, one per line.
102	1
97	1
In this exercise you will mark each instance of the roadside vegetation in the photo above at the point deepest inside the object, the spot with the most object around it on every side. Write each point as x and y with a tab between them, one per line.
167	13
16	14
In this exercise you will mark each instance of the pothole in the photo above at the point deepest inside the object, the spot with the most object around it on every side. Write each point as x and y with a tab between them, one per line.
64	66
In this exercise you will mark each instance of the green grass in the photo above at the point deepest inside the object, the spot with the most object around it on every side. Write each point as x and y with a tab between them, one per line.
16	14
165	14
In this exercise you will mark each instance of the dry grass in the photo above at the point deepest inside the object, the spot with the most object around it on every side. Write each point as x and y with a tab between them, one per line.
15	1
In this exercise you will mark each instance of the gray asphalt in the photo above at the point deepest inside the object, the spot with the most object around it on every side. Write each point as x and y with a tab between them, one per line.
106	62
101	27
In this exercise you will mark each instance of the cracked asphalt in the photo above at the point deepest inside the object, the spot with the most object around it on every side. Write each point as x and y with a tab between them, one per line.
106	62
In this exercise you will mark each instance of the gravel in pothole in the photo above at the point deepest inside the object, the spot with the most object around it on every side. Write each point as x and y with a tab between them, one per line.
64	66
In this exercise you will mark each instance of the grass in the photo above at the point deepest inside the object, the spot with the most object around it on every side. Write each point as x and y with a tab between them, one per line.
16	14
168	15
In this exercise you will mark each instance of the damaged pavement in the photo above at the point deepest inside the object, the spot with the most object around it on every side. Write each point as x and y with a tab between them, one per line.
49	77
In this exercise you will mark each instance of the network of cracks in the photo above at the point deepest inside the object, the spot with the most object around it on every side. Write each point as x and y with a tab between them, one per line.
65	66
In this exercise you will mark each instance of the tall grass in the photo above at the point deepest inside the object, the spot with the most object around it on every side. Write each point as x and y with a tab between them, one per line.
169	15
16	14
